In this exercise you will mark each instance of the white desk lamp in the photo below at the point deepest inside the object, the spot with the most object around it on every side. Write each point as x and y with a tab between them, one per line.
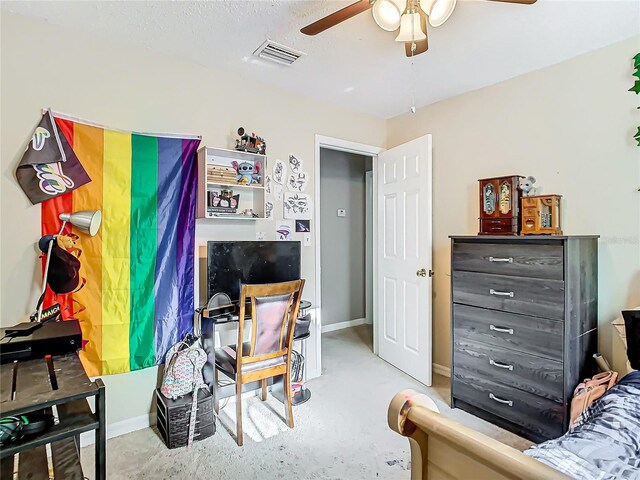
87	221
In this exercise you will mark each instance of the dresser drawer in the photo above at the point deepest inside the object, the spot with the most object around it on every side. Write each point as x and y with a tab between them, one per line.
534	335
537	375
539	415
530	296
522	260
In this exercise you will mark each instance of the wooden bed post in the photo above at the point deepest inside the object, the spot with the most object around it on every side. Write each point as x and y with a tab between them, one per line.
450	450
418	439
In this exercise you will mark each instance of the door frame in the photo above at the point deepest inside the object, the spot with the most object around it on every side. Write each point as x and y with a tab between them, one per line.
314	362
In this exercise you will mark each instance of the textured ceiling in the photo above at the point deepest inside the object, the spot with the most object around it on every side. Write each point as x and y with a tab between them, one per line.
356	64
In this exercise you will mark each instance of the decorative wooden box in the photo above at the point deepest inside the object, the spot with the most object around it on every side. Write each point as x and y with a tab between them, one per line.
500	199
174	416
541	215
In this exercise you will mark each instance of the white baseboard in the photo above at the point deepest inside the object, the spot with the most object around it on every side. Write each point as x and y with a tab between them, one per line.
121	428
441	370
340	325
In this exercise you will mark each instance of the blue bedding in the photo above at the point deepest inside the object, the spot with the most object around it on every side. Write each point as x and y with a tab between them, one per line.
605	442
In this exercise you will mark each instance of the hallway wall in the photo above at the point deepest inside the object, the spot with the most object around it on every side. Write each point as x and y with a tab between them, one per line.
342	185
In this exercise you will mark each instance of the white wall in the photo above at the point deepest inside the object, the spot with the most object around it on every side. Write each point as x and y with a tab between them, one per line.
46	66
342	185
570	126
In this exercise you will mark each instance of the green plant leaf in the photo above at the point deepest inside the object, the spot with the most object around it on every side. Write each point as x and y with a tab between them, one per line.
636	60
637	136
636	87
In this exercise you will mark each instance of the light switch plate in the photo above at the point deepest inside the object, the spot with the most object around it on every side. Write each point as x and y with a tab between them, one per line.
307	239
342	212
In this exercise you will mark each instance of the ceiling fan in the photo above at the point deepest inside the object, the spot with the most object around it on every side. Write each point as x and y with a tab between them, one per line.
410	16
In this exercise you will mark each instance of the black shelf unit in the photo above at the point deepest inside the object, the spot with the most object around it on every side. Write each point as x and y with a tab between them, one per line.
26	387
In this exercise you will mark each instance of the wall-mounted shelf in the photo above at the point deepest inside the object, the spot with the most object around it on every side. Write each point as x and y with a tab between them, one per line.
250	196
234	185
233	217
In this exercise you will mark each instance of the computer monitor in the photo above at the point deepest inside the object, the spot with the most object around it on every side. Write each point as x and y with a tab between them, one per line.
230	264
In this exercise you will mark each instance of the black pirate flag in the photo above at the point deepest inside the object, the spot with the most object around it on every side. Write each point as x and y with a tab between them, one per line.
49	166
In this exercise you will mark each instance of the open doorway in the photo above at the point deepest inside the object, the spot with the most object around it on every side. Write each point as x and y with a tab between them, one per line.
346	244
402	241
314	358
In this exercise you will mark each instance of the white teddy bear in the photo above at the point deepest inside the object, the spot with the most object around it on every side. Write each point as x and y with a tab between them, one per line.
527	186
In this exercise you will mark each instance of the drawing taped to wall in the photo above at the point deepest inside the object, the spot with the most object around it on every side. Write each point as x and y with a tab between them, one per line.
298	181
303	226
278	191
283	232
279	172
268	210
267	184
297	206
295	163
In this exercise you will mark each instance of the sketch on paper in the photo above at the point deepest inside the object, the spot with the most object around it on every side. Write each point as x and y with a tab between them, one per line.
283	232
278	190
297	206
279	171
295	163
298	181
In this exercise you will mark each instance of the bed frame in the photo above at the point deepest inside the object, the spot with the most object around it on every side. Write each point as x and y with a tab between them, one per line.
443	449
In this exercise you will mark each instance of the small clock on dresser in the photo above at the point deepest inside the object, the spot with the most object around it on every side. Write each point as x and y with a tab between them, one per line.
500	199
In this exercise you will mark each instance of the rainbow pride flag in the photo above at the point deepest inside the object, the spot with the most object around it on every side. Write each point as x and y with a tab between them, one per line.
138	299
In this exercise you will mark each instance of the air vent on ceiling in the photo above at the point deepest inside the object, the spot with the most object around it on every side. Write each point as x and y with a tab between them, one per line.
277	52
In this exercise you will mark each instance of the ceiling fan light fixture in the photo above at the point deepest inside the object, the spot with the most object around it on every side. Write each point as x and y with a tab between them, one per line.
439	11
387	13
410	28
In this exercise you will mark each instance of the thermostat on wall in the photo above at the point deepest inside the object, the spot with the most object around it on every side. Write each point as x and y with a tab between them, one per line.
342	212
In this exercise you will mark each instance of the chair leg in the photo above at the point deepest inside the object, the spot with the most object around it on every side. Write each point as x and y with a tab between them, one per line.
288	411
238	411
263	384
216	401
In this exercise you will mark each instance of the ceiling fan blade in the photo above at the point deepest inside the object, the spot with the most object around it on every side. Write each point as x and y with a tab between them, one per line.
522	2
421	45
337	17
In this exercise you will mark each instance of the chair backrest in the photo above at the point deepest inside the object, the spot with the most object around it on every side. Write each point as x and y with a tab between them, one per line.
274	310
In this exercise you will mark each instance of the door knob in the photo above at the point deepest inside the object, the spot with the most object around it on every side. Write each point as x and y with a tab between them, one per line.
422	272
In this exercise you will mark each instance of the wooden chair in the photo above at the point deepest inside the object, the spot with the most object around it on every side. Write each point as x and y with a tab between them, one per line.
274	310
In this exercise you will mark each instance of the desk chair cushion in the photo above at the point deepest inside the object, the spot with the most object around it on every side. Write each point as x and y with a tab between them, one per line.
226	360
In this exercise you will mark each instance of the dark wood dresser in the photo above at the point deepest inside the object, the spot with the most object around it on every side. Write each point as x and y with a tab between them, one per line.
524	319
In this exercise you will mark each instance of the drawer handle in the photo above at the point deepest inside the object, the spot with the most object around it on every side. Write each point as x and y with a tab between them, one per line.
498	260
501	329
500	365
500	400
502	294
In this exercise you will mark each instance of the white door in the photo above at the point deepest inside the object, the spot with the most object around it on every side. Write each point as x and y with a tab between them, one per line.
403	282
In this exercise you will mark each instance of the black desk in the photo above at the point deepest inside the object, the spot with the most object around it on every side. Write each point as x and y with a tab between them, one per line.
25	387
208	333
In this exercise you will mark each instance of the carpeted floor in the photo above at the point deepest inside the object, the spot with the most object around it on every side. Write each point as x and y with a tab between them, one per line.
341	433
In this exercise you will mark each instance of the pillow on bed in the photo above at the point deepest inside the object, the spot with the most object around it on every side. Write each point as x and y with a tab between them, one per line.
632	328
604	443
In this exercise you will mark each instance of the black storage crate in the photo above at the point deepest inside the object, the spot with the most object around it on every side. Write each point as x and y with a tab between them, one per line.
174	416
